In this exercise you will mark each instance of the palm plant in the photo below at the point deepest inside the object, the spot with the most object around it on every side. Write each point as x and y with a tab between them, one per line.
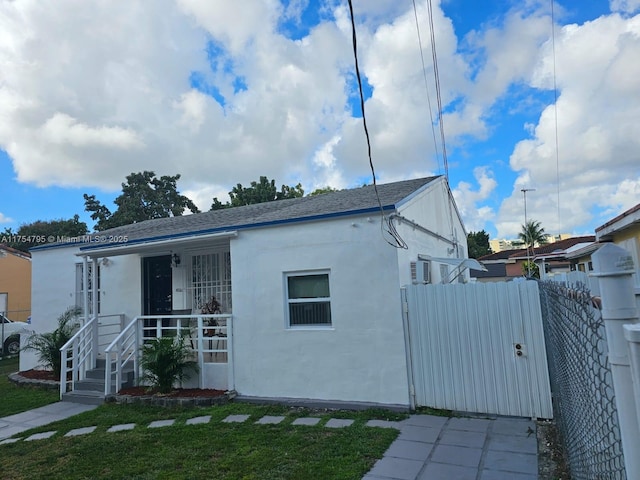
533	234
166	360
48	345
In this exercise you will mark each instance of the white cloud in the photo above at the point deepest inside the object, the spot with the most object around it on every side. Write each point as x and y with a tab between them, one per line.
468	200
5	219
624	6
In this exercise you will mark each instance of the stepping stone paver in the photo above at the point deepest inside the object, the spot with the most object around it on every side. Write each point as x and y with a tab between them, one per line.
79	431
40	436
122	427
309	421
270	420
10	440
383	424
161	423
236	418
338	423
199	420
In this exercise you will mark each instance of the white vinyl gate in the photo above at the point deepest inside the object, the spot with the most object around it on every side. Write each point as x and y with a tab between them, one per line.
478	348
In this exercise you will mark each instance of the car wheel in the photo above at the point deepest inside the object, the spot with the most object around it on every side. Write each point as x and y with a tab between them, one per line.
12	346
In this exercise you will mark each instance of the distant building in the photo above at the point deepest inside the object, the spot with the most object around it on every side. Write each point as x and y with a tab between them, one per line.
500	245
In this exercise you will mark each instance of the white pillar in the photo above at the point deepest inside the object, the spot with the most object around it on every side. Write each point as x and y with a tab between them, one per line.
632	334
85	288
614	267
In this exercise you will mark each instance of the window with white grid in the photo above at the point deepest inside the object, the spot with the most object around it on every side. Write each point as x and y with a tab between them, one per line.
211	276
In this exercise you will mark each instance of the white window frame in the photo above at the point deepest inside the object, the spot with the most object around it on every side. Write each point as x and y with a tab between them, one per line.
290	301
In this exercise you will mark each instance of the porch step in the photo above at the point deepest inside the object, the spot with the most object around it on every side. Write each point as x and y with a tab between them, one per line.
90	391
86	397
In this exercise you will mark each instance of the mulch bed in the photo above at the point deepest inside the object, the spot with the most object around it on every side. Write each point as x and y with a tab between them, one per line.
176	393
39	375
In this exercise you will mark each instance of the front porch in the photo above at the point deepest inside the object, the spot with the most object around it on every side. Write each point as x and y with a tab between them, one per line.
90	377
166	288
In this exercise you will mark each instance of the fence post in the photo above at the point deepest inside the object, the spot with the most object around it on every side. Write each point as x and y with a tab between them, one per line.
632	334
614	266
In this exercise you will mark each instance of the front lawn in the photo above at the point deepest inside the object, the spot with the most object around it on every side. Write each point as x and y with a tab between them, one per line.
212	450
15	399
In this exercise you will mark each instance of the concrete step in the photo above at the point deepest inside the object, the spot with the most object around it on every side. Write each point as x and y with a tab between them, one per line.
85	397
94	384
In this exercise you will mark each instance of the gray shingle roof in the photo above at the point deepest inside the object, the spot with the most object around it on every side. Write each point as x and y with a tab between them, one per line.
341	203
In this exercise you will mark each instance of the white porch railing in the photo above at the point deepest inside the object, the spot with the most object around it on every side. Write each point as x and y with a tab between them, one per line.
79	354
209	336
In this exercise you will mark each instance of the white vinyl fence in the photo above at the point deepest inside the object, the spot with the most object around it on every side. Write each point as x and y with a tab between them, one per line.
478	348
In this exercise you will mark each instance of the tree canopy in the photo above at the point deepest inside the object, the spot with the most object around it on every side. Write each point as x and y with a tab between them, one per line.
478	244
144	197
42	231
259	192
533	234
320	191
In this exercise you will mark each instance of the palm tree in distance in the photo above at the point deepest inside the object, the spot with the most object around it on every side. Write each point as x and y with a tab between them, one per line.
532	235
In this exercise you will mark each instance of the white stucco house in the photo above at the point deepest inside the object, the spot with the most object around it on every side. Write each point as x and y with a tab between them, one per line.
309	288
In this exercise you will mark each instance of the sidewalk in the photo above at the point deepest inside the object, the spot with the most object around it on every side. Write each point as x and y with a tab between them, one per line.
38	417
440	448
428	447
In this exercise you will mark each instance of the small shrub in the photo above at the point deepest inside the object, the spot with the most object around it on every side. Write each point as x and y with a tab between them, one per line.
165	361
48	345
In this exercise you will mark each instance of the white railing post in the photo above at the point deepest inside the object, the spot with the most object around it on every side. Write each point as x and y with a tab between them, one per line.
613	266
200	342
231	379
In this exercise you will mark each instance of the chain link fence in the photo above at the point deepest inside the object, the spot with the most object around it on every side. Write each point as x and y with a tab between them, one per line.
581	381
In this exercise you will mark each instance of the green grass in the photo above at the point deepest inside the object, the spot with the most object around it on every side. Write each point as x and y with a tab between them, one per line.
16	399
214	450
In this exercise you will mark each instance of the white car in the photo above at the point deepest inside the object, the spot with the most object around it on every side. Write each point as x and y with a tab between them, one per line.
10	335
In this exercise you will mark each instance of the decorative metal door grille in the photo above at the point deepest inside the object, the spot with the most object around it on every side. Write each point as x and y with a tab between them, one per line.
211	276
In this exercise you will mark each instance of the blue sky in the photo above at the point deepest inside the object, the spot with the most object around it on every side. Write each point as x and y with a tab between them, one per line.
222	96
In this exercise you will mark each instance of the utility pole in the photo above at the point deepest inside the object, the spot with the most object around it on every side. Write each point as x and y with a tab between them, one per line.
524	193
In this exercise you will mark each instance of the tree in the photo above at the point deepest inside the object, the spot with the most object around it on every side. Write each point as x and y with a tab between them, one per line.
42	231
144	197
258	192
532	234
478	243
320	191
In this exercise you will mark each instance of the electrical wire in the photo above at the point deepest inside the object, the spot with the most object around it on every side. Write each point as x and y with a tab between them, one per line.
426	85
397	242
555	105
436	74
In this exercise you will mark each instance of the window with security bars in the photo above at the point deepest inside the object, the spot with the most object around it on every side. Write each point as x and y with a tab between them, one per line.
211	276
308	299
80	287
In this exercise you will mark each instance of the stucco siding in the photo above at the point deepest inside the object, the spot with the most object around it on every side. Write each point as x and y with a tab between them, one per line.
361	357
15	282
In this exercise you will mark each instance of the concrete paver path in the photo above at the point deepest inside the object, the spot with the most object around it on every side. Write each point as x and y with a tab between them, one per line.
427	448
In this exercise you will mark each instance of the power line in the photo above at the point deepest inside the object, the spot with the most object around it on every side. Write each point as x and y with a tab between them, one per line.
426	84
398	242
555	106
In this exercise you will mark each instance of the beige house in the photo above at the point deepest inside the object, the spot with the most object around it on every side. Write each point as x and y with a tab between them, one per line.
15	283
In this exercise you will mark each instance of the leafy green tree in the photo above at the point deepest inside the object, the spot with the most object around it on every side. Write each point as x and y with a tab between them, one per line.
144	197
258	192
478	243
533	234
320	191
48	345
530	269
33	234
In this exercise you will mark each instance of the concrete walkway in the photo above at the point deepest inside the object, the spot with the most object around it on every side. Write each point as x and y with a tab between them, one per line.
428	447
38	417
434	448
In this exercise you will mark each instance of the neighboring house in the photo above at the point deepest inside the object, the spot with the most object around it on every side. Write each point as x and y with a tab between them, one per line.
312	283
624	230
15	283
552	259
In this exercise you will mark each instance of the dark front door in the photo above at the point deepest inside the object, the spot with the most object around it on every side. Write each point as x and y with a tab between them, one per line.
157	285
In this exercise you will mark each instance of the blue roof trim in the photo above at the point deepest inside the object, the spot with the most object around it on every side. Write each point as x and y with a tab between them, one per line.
197	233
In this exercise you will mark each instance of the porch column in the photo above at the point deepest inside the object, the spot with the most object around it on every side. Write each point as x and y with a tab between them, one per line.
94	310
85	288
